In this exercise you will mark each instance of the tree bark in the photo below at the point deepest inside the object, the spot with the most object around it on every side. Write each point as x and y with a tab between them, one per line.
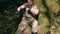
46	16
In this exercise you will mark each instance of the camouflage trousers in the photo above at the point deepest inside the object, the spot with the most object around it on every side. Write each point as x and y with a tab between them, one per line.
26	22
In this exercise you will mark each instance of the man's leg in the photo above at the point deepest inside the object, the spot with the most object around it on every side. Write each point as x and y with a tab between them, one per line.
22	26
34	27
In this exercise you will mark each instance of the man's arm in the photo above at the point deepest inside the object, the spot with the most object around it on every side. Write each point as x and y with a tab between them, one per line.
35	10
21	7
18	10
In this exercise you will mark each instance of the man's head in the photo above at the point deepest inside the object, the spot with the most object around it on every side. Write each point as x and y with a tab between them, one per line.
31	2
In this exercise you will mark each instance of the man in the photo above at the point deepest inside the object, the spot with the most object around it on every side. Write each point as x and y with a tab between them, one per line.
32	9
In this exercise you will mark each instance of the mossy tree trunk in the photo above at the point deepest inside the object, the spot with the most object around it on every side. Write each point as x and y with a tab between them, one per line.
48	10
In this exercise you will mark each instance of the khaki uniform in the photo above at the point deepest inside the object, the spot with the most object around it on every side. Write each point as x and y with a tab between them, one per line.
27	21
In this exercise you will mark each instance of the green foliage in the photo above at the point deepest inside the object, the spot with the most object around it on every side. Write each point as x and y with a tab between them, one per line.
8	22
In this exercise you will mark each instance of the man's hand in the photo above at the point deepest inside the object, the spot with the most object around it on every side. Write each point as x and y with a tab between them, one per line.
18	9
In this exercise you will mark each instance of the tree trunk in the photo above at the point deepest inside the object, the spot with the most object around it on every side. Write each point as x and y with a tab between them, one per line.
48	10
